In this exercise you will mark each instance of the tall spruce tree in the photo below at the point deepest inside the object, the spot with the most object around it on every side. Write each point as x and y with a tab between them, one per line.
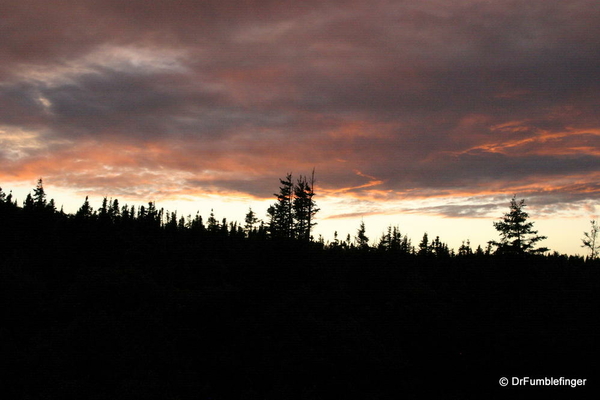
281	221
304	207
517	235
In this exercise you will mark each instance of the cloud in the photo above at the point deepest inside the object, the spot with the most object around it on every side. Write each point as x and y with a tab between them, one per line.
425	99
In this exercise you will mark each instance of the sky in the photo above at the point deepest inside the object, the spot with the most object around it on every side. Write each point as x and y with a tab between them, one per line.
428	115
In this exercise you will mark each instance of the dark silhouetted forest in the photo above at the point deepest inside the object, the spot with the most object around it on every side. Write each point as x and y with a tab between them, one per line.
120	302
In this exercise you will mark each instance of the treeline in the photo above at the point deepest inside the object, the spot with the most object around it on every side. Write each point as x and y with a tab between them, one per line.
121	302
291	218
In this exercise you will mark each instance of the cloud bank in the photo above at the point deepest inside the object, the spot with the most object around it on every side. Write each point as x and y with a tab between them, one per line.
388	100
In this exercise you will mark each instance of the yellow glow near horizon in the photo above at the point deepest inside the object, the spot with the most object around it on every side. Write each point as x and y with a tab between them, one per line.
564	232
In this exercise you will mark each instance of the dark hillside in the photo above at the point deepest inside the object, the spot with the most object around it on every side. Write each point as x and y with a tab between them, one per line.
130	307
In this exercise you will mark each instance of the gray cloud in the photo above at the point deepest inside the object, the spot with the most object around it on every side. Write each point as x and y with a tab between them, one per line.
422	97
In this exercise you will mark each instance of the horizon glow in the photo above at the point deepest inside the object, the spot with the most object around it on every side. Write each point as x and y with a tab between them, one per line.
426	115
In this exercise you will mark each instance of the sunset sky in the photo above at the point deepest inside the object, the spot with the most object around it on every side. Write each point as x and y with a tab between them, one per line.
428	115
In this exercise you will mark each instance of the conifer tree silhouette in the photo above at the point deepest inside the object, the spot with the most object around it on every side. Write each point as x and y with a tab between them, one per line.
590	240
250	221
39	195
304	207
362	241
517	235
281	213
